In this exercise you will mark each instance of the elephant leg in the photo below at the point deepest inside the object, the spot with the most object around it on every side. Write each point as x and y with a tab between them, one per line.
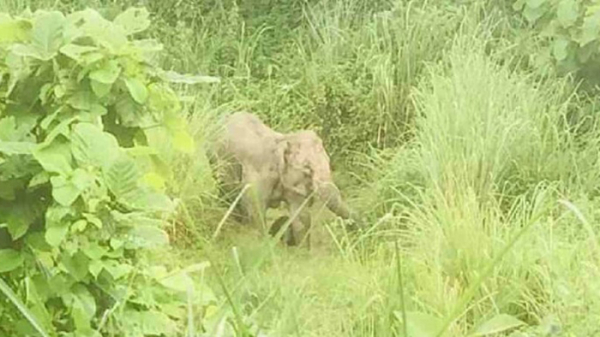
300	226
255	199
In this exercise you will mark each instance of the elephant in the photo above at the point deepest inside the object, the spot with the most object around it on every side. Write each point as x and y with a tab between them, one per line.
293	168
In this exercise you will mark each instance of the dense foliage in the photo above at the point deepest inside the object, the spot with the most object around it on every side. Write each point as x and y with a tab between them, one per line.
82	103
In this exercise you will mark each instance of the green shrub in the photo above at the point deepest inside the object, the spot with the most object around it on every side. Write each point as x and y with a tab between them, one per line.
570	34
82	109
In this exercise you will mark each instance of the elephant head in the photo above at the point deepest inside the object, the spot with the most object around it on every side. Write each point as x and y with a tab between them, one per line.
306	170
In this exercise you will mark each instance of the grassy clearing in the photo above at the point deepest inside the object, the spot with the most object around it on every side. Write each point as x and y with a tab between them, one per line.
482	171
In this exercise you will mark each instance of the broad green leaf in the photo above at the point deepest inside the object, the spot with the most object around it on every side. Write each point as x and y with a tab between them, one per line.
83	100
117	270
107	72
146	200
147	50
130	113
122	176
591	26
174	77
10	260
37	241
104	32
77	265
567	12
535	3
82	304
532	14
14	30
56	234
39	179
47	34
144	236
420	324
92	146
497	324
7	128
55	157
11	148
76	52
178	281
94	220
64	191
137	89
150	323
79	226
518	5
133	20
17	227
96	266
94	251
559	49
100	89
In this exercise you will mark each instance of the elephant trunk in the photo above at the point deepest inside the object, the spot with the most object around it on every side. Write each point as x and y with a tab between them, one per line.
332	197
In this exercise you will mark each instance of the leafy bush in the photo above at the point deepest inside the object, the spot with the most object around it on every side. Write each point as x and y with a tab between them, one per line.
82	107
570	31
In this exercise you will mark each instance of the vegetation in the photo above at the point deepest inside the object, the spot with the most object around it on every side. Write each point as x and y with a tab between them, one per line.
464	132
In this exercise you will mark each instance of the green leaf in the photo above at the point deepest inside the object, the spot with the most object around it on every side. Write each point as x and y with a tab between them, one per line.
150	323
76	265
82	304
96	266
497	324
532	14
92	146
100	89
56	225
11	148
94	251
56	234
39	179
107	72
55	157
10	260
567	12
420	324
66	190
174	77
47	34
559	49
83	99
103	32
122	176
591	26
14	30
117	270
535	3
77	52
144	236
137	89
178	281
133	20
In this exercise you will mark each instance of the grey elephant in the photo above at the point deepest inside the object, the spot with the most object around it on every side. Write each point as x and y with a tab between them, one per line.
275	167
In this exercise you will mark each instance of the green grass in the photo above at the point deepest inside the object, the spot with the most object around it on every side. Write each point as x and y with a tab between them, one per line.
472	163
